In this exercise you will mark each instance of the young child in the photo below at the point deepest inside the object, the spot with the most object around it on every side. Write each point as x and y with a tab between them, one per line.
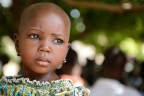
42	43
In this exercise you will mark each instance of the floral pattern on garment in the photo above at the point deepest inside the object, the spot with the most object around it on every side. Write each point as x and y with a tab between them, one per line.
19	86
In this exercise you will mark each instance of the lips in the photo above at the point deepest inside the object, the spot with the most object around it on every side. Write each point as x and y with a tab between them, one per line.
42	61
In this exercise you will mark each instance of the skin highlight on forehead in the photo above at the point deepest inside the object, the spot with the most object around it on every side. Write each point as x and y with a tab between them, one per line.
43	8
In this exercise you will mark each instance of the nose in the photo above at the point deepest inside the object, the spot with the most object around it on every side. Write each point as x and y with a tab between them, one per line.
45	47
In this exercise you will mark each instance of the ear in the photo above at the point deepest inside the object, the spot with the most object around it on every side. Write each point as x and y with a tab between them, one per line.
16	40
68	47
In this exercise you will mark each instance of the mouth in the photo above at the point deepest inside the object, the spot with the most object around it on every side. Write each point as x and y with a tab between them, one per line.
42	62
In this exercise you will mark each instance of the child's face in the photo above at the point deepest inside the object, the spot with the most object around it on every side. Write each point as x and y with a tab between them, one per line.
43	42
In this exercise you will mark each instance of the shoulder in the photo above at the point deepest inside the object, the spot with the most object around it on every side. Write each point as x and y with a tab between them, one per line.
132	91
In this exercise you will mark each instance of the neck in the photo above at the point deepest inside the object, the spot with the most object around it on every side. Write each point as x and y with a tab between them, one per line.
41	77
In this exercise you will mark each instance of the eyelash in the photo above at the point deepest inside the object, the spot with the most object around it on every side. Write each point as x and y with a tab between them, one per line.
55	41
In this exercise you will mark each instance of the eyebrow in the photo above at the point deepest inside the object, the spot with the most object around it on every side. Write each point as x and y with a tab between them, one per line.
31	29
57	34
54	34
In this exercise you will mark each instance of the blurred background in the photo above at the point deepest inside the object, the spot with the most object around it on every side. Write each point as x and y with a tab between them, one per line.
96	26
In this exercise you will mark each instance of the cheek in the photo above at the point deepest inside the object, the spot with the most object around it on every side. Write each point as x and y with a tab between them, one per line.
27	47
61	53
64	52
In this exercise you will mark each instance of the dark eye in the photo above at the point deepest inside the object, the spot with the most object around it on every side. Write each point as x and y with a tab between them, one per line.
34	36
58	41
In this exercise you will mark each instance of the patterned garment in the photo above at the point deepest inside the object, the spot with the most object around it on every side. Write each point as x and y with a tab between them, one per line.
19	86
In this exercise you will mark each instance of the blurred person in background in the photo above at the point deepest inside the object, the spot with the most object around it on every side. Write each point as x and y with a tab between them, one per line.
71	69
112	72
134	76
89	72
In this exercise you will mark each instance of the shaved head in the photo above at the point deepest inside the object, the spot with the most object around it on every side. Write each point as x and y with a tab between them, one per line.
39	9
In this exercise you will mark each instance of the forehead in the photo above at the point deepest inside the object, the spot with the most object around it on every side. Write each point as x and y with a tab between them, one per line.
45	17
44	11
40	8
49	22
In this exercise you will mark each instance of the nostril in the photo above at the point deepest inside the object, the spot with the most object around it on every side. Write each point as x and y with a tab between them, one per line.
45	46
44	49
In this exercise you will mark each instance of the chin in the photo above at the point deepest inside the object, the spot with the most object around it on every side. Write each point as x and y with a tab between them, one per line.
40	71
